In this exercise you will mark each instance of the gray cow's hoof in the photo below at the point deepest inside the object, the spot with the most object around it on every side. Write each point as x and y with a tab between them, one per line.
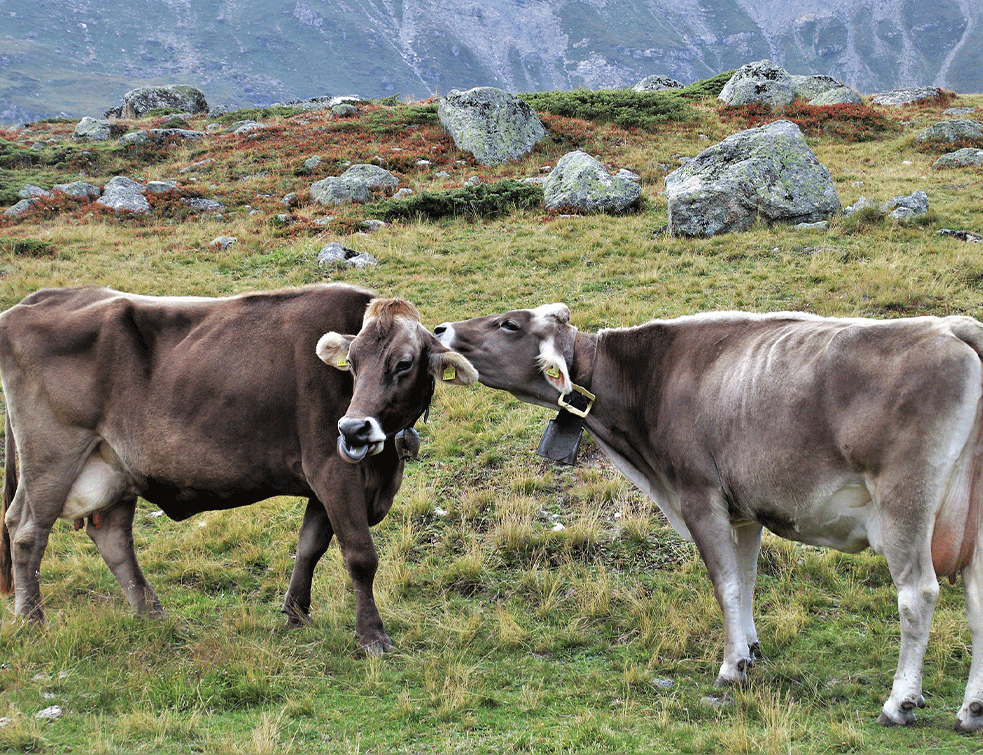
970	718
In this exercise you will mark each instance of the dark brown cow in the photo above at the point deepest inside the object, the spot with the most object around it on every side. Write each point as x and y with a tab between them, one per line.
198	404
845	433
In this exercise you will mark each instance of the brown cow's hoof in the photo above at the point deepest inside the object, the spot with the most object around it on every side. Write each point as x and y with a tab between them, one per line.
377	647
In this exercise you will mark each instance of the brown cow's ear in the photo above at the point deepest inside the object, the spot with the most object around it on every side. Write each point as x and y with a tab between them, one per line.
332	348
451	367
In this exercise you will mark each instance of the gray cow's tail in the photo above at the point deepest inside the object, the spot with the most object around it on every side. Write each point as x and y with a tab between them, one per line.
9	488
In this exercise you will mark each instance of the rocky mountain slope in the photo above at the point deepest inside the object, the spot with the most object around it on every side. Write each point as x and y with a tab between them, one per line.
78	57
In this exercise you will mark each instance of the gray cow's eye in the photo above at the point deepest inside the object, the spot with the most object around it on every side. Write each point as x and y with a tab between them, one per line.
510	325
403	365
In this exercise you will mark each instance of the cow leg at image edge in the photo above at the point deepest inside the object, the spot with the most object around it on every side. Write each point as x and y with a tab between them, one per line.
748	541
312	543
113	536
970	716
28	540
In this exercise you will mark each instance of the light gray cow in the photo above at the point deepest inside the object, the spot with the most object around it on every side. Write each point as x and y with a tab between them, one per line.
847	433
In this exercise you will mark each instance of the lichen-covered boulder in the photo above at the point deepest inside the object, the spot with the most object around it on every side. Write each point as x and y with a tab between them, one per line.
579	183
187	99
952	131
967	157
490	123
841	95
353	185
656	83
761	81
902	97
79	190
810	87
92	130
767	173
124	194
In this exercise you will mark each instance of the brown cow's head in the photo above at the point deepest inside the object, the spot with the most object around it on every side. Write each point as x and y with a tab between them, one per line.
394	362
524	352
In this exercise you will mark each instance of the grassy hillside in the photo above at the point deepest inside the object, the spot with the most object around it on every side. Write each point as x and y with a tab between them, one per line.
512	634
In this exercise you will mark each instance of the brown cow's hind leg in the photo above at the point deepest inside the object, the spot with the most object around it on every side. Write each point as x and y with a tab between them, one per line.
112	532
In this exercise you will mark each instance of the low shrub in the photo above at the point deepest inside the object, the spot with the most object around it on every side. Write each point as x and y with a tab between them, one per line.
851	123
623	107
492	200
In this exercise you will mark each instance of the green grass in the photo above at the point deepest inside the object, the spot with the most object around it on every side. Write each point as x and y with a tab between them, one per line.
510	635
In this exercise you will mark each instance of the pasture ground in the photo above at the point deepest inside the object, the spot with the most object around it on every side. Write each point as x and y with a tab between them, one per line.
512	634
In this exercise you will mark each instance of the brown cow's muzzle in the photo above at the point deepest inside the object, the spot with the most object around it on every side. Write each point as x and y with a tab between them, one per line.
359	437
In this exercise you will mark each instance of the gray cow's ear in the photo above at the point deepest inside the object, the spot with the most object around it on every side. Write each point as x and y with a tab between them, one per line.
332	348
451	367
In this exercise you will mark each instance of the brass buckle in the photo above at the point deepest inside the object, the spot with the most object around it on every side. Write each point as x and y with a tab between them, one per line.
573	409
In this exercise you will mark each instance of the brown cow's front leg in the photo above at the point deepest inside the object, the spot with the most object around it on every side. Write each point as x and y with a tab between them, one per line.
112	532
362	561
312	543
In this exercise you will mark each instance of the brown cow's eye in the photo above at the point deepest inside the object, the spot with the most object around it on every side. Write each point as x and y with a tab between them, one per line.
403	366
510	325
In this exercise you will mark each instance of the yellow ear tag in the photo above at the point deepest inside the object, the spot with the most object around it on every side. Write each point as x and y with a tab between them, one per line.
342	361
553	371
449	373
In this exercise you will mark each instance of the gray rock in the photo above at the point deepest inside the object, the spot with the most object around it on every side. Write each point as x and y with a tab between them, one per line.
581	183
952	131
135	137
916	203
841	95
353	185
372	225
958	112
971	238
656	83
162	134
92	130
344	111
902	97
311	163
161	187
961	158
401	193
124	194
246	127
30	190
336	254
810	87
79	190
20	208
50	713
187	99
492	124
819	225
200	204
223	242
761	81
862	203
767	173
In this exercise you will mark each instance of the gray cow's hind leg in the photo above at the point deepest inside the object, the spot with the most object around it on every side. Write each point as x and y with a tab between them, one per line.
112	532
28	540
312	543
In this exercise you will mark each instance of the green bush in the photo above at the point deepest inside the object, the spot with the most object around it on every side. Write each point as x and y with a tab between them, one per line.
623	107
707	88
492	200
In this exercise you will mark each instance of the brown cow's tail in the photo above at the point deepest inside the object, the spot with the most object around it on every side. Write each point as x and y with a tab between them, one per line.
9	488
